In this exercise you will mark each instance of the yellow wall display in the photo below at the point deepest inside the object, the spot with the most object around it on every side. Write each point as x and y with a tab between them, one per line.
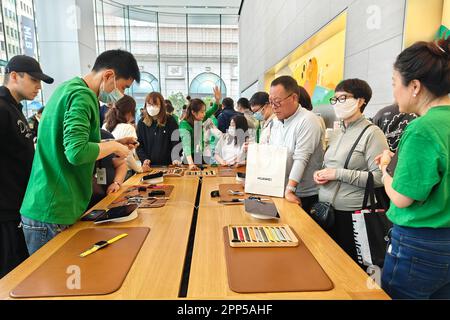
317	64
426	20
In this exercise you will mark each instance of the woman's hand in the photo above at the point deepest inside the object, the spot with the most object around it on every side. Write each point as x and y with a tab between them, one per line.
217	94
384	159
114	187
146	166
319	181
193	167
325	176
177	163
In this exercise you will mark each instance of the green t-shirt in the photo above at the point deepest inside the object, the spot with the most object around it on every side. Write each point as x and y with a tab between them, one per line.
423	172
187	133
60	185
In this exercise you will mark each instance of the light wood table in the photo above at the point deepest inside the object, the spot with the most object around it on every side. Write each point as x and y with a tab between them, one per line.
157	270
208	277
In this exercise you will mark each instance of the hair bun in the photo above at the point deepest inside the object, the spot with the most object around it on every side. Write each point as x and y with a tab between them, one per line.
444	46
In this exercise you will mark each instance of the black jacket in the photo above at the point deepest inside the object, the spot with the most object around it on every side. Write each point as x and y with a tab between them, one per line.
155	143
17	147
225	119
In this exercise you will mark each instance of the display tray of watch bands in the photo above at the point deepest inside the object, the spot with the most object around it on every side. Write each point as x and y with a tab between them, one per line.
93	262
274	269
261	236
202	173
145	196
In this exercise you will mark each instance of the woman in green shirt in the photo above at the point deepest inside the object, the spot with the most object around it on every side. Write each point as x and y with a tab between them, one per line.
418	260
192	134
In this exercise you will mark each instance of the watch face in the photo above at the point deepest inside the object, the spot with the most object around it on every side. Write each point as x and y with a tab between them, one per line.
101	243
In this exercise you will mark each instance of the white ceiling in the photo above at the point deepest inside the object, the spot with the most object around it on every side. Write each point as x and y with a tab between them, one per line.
187	6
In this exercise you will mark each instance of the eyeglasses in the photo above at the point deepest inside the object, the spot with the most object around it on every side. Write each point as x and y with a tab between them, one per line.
277	104
341	99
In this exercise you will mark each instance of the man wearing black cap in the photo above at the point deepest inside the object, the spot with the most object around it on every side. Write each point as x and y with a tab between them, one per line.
23	77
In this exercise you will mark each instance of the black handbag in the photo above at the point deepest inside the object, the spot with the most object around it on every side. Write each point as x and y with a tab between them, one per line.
323	212
371	227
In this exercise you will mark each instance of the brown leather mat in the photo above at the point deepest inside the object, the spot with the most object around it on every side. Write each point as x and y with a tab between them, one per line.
133	192
100	273
269	270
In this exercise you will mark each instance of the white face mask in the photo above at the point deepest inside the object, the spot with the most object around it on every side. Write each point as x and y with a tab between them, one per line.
153	111
232	131
347	109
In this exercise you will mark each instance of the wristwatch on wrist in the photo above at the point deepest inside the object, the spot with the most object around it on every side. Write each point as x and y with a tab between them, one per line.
291	189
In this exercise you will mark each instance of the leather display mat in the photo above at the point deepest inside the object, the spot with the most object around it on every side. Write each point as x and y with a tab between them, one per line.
145	204
66	274
269	270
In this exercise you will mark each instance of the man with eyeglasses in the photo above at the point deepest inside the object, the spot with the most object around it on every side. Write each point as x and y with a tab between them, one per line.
301	132
23	76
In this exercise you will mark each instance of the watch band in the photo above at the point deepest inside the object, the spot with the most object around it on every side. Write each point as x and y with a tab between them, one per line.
292	189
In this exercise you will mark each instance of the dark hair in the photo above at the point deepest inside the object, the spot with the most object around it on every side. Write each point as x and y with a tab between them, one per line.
195	106
360	89
122	62
241	124
289	84
304	98
152	98
228	103
7	77
118	114
259	99
188	98
169	106
429	63
244	103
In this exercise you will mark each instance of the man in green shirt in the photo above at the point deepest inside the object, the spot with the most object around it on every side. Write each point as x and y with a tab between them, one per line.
69	144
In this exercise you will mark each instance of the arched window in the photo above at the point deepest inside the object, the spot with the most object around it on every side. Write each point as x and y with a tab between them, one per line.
149	83
202	85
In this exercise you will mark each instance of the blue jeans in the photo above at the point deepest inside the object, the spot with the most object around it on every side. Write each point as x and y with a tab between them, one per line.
37	233
417	264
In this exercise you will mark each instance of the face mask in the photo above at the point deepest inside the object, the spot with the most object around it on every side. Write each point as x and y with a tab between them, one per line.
153	111
232	131
111	97
259	116
347	109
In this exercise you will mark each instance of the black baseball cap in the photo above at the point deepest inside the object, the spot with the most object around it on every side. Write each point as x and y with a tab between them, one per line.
28	65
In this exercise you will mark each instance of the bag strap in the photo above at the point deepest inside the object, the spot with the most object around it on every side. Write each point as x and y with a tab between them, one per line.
350	157
355	145
370	193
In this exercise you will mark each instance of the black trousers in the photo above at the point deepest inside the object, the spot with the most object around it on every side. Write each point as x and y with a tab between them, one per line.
13	248
309	202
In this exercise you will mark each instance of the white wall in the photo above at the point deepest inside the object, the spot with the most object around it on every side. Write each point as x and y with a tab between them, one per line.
270	30
66	31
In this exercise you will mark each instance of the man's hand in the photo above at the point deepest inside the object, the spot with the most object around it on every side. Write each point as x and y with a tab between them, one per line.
291	197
